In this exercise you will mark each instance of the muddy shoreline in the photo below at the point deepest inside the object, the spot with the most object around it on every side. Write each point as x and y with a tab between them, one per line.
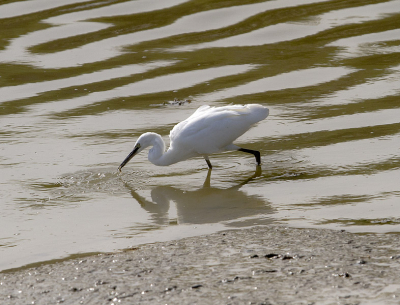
262	265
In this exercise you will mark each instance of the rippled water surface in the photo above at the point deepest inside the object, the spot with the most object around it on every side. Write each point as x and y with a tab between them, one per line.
80	80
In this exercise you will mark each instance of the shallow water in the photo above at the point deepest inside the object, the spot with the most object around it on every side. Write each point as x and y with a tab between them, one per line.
81	80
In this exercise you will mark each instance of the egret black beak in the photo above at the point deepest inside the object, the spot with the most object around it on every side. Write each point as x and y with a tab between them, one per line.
129	157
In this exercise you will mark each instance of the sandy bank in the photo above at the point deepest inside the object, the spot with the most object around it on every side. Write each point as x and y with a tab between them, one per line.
264	265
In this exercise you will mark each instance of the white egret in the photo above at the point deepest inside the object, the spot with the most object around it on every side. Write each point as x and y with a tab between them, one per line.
208	130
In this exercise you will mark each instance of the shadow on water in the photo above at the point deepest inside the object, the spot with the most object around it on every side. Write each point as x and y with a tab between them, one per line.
204	205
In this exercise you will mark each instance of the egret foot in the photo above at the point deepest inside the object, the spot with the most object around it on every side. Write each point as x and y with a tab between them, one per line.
253	152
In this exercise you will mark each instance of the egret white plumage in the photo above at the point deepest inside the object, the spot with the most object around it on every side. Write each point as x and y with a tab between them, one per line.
208	130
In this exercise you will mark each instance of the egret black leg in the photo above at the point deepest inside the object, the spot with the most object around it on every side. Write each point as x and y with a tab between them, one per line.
253	152
208	162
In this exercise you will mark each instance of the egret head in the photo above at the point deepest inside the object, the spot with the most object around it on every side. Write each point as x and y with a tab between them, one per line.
145	140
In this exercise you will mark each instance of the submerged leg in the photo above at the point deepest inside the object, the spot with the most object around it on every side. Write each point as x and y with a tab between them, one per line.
208	179
208	162
254	152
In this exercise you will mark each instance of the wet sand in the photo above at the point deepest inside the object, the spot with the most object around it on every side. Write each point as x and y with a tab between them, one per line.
262	265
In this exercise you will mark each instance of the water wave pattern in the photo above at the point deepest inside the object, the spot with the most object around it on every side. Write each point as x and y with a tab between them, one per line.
80	80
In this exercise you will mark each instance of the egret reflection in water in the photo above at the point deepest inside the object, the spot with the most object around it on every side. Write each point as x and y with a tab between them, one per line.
205	205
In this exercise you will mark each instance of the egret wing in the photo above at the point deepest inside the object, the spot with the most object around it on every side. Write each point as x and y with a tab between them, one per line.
178	128
211	130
